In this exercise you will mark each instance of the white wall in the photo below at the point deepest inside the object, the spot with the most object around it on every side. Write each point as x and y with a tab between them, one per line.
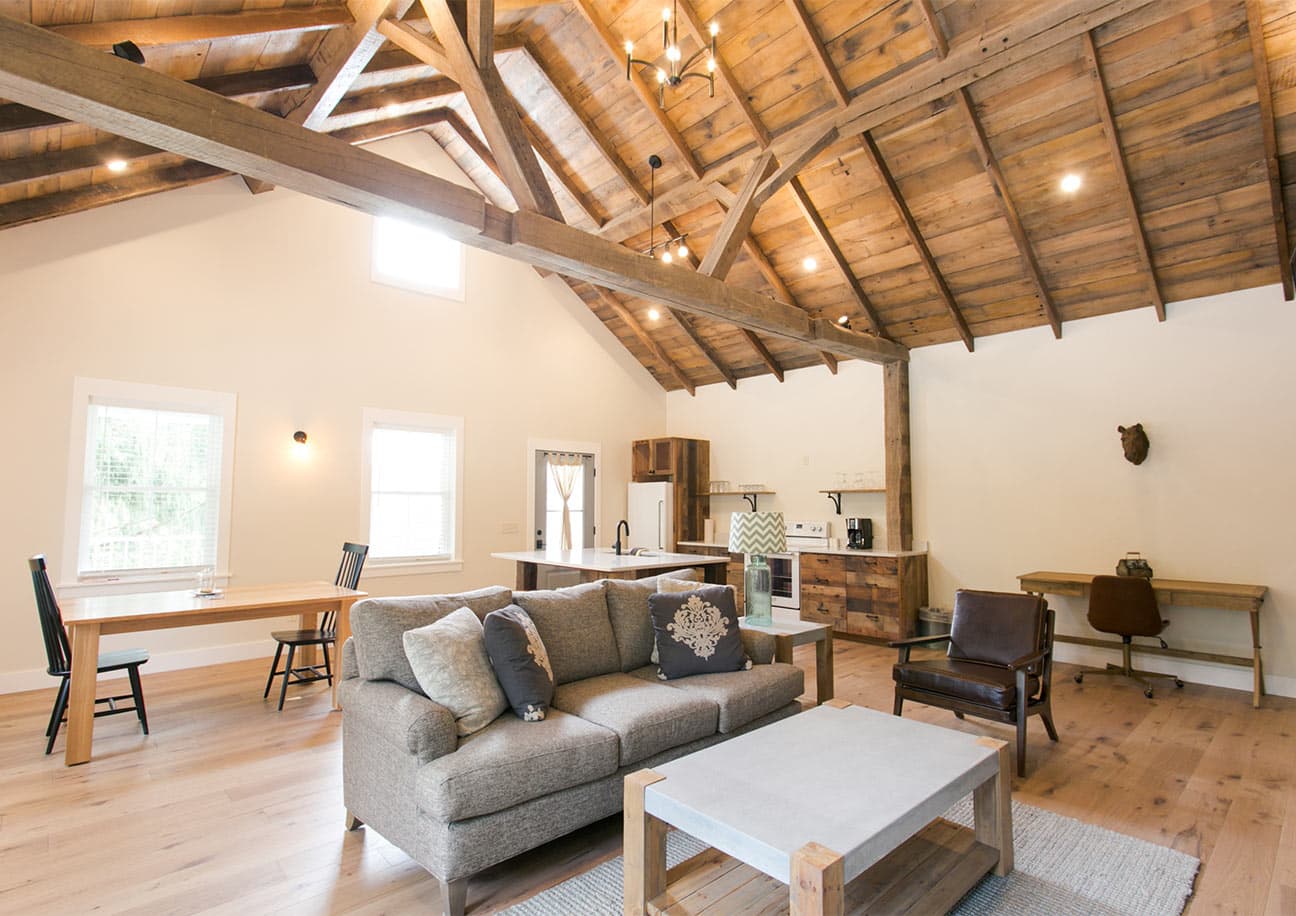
269	297
794	436
1018	465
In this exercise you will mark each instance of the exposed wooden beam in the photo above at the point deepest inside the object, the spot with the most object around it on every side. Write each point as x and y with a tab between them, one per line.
724	76
659	353
647	95
686	323
1260	63
376	105
932	25
480	31
60	162
874	156
819	52
1011	217
340	58
820	230
899	474
174	30
737	223
558	168
763	352
493	105
1123	179
15	118
406	37
44	71
391	127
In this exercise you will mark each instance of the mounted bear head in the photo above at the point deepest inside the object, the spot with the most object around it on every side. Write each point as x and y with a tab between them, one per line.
1135	443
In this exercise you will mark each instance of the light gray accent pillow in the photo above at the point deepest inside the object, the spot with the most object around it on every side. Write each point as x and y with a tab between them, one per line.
574	626
449	660
378	623
627	601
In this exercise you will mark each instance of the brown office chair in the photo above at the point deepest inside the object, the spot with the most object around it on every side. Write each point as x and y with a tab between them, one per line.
1126	606
59	655
998	666
348	576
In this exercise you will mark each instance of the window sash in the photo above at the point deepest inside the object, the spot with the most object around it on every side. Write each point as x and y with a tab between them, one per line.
413	518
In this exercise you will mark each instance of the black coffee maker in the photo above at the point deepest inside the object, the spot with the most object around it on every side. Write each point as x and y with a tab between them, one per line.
859	533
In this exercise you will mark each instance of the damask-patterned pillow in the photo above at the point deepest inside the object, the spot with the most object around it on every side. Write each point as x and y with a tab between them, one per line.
520	661
697	632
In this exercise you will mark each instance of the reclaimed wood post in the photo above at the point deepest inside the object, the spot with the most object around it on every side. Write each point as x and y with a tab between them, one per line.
899	481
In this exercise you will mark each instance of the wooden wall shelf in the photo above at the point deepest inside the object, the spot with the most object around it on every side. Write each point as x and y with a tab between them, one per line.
835	494
749	495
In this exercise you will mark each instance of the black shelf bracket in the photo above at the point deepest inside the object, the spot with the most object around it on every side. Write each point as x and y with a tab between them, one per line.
836	500
751	498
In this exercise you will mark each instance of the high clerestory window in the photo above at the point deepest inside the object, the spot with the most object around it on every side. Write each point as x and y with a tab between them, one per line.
417	259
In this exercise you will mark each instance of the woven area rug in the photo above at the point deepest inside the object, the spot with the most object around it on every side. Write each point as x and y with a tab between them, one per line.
1063	867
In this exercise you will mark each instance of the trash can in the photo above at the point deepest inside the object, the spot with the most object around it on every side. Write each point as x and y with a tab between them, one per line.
934	621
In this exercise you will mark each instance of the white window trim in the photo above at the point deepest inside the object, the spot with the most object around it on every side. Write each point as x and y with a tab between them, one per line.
441	291
155	397
562	445
378	567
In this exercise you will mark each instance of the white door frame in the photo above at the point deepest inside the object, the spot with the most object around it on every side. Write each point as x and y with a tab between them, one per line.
561	445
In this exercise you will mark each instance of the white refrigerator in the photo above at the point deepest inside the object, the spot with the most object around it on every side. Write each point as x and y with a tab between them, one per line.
651	514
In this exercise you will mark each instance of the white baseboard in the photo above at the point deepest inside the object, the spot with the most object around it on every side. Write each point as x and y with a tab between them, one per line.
36	679
1229	676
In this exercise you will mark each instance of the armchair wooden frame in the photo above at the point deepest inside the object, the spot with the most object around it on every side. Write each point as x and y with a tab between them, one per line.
1018	714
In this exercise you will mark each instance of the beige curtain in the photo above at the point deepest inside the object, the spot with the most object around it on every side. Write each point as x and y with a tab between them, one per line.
565	469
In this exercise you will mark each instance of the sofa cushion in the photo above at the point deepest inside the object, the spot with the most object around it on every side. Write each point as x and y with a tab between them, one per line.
574	624
987	685
741	695
449	660
510	761
627	601
378	624
517	653
697	632
647	718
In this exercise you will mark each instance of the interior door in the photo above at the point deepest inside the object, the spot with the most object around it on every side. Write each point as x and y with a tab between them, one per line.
549	500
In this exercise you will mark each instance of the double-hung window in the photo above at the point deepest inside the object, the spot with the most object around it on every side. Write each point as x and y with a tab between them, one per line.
150	475
412	490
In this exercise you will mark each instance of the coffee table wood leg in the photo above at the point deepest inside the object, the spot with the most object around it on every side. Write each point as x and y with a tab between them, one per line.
644	846
81	694
992	808
783	649
824	669
817	882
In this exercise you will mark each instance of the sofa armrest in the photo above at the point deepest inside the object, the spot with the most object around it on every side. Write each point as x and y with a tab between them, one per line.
758	646
350	665
405	719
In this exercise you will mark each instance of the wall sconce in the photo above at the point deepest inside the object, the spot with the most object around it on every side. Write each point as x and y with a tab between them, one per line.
300	448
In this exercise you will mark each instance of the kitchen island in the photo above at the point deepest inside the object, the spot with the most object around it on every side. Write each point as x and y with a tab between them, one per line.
602	563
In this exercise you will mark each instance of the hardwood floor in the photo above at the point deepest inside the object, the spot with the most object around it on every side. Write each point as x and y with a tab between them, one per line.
231	807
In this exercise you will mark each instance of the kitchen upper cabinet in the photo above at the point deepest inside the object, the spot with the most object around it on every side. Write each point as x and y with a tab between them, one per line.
685	463
873	597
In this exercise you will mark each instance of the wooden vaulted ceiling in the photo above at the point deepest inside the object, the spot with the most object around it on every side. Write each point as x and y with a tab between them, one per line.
912	148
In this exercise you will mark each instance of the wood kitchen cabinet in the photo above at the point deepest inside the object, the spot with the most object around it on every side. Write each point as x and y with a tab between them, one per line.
686	463
873	596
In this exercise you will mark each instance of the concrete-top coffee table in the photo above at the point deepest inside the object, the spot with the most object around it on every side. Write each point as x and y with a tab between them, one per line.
818	799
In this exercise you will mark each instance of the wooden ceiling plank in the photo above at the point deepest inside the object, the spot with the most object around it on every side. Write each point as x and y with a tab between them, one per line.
497	114
341	57
653	347
724	75
48	72
406	37
1126	187
874	156
174	30
737	223
558	167
691	330
60	162
647	95
820	230
819	52
1260	63
605	147
932	25
995	174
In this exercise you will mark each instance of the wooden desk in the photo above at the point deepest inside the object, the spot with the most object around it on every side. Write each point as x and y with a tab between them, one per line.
87	619
788	634
1222	596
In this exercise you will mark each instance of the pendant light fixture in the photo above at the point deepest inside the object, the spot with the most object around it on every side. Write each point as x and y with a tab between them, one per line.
676	70
675	246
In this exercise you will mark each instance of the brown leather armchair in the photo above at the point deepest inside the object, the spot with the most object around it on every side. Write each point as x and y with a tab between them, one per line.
999	663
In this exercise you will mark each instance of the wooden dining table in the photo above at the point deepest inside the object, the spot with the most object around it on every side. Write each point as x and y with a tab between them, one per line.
86	619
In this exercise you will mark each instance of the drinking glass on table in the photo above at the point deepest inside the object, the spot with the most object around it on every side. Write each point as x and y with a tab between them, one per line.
206	581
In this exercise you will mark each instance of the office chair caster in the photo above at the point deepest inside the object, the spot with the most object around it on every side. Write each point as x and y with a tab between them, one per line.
1079	678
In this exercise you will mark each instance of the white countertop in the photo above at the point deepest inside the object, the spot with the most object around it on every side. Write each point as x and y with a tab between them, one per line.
836	551
604	560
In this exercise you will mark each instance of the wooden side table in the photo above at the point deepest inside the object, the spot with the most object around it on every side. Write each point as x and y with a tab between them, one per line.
788	634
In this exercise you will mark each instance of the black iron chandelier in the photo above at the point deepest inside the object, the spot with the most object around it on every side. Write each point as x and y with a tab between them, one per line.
676	70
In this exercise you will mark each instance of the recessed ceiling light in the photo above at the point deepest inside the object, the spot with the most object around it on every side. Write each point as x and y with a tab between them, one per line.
390	109
844	320
116	165
1070	183
809	264
653	314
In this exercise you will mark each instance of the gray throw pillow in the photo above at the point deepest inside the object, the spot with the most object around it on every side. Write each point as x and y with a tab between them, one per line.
697	632
671	583
450	662
520	661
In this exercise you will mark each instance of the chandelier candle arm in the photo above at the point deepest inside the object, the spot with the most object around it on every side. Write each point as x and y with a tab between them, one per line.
676	71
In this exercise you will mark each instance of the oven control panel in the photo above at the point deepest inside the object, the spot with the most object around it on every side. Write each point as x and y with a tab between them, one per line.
807	529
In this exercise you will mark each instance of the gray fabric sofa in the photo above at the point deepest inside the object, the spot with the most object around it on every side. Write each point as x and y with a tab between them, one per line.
458	805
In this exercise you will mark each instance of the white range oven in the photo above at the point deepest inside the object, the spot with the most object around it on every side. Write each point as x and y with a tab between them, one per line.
785	568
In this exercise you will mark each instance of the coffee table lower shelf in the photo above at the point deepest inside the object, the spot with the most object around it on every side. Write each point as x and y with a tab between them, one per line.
928	873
